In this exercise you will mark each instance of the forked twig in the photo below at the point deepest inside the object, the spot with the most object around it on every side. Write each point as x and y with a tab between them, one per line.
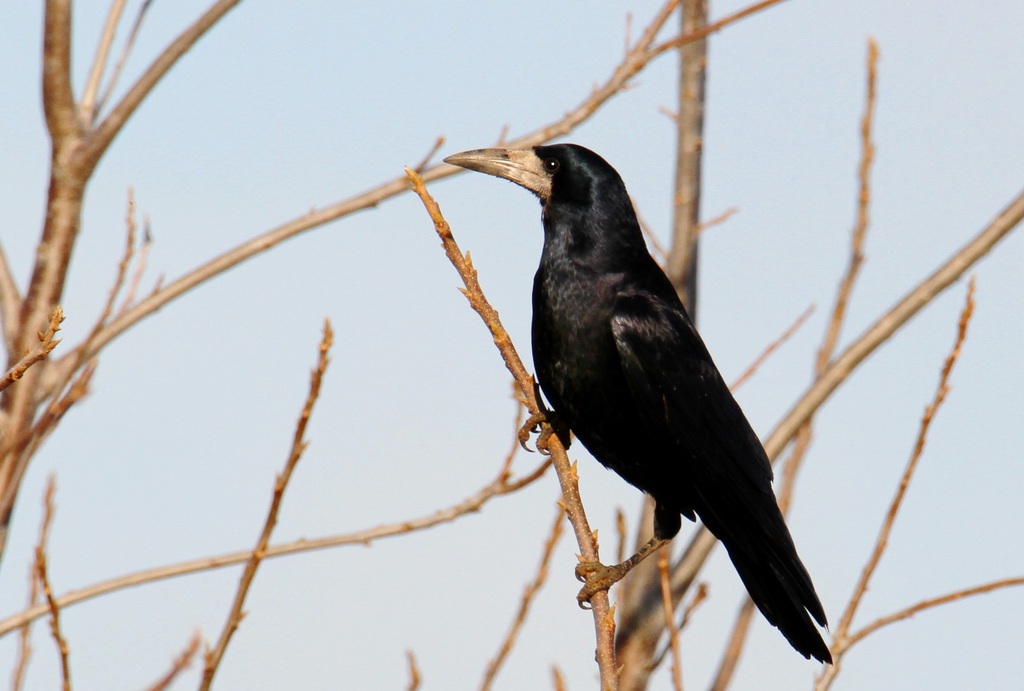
180	663
44	584
47	343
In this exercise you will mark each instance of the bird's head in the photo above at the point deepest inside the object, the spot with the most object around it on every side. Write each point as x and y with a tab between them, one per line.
561	173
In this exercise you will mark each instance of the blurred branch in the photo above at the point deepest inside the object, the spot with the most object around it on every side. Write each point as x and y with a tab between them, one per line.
771	348
87	107
604	623
47	343
125	52
58	98
414	671
840	638
670	624
299	444
180	663
10	305
44	583
531	590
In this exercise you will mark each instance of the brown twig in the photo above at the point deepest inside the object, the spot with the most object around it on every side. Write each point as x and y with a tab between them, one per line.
557	679
44	583
414	671
670	624
47	343
840	639
179	664
430	154
733	650
299	444
529	592
604	623
908	612
24	632
771	348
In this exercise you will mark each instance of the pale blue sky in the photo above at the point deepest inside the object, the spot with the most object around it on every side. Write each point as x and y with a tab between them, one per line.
284	107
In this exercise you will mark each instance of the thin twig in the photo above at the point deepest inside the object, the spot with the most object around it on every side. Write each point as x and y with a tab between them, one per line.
86	108
180	663
44	583
731	656
840	639
670	624
414	671
47	343
299	445
24	632
771	348
125	52
604	623
430	154
529	592
908	612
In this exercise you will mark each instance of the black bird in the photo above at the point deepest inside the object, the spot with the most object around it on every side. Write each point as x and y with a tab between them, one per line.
624	367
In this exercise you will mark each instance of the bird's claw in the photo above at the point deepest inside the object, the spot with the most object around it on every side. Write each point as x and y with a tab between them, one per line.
596	578
532	424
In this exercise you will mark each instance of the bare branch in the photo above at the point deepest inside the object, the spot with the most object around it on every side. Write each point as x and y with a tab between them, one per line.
180	663
299	444
531	590
99	139
928	604
44	583
604	622
125	52
430	154
771	348
734	649
47	343
86	109
414	671
840	642
670	624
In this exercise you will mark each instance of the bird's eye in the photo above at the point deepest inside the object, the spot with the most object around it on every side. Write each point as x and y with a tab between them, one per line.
551	164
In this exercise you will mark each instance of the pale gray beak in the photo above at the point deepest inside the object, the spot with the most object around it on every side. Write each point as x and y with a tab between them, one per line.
521	166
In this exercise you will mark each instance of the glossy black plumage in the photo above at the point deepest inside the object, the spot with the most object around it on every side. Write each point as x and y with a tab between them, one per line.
622	365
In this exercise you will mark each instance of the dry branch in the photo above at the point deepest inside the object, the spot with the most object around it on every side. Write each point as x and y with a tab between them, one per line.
670	624
604	623
44	583
840	639
213	657
180	663
531	590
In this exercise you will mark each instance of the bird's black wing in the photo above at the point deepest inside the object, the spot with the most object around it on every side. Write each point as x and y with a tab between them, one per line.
687	406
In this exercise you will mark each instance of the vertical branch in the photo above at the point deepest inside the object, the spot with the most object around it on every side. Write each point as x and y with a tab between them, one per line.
670	624
681	265
299	444
87	107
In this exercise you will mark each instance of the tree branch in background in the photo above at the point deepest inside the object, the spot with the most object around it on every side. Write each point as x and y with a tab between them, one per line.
531	590
299	443
840	639
604	623
414	671
10	306
180	663
87	106
44	584
670	623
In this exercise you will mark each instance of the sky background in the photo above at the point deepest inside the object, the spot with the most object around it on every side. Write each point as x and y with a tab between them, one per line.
285	107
